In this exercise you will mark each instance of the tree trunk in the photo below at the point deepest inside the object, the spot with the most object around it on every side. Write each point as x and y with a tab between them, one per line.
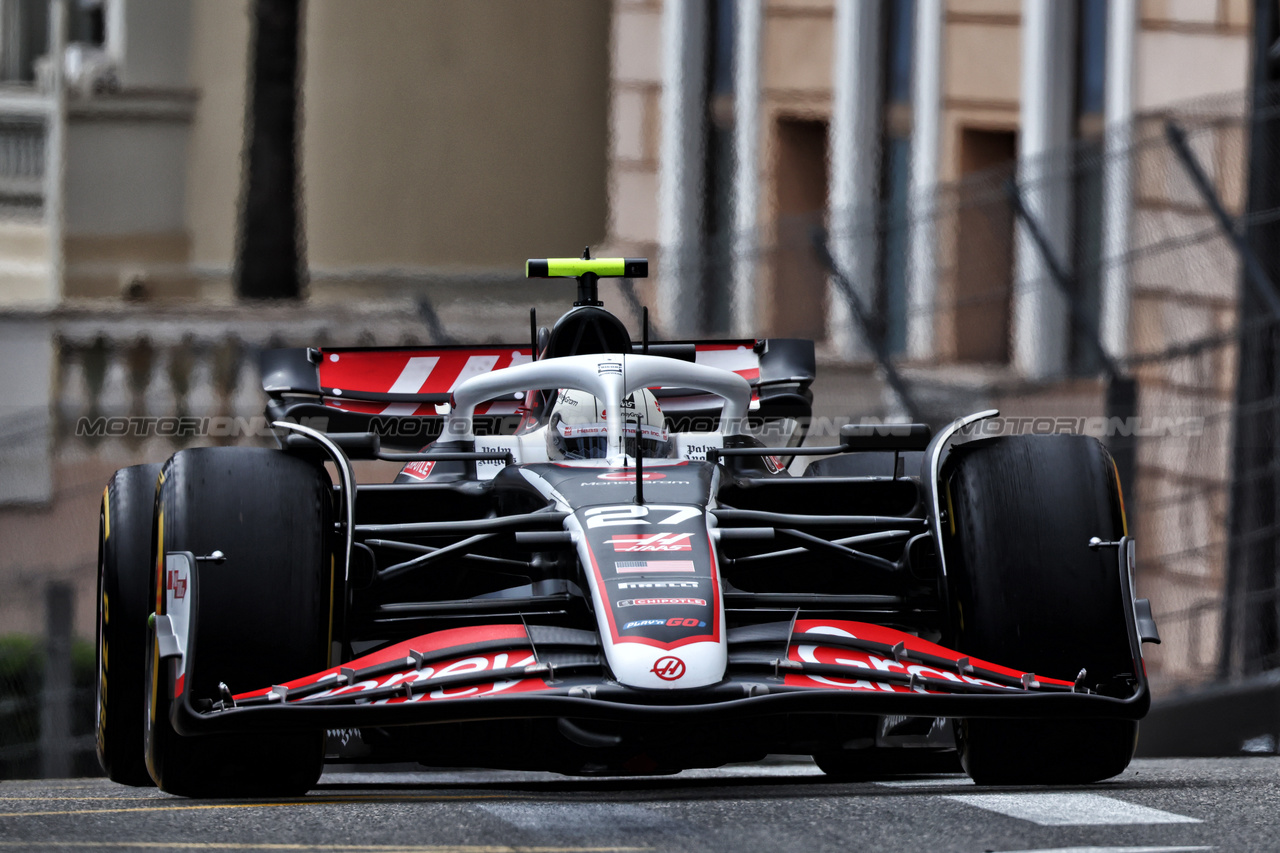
269	258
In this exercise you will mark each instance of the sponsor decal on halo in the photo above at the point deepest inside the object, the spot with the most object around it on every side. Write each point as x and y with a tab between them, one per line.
418	470
678	602
653	542
609	367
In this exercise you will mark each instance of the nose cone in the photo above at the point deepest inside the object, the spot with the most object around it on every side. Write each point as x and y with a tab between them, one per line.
683	667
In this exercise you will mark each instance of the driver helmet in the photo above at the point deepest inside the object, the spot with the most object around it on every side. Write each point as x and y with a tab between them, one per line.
578	429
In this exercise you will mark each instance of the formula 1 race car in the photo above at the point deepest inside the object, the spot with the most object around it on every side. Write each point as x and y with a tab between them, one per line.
604	556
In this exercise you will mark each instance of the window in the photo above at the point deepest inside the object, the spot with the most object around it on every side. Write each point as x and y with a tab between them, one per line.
1088	177
899	41
717	222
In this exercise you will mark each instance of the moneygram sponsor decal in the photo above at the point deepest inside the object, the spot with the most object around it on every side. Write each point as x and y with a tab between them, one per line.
674	622
658	584
677	602
628	476
631	543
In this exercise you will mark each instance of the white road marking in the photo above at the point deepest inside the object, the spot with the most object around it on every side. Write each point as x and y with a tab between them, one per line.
749	771
1069	809
928	783
576	816
1113	850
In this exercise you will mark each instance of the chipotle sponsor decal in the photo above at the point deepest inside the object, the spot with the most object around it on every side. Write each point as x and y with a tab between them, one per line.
639	602
418	470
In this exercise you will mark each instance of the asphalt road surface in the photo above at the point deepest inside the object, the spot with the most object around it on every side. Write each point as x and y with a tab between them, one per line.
1157	805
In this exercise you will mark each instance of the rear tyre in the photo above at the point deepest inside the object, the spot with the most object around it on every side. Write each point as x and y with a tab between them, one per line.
263	617
124	577
1027	592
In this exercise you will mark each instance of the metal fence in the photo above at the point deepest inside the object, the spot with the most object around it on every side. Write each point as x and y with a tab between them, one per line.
1023	259
1166	403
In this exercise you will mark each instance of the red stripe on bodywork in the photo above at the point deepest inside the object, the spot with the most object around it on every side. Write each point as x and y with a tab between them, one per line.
855	659
426	643
375	371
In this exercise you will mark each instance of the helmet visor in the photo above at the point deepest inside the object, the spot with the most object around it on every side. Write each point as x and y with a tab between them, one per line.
591	441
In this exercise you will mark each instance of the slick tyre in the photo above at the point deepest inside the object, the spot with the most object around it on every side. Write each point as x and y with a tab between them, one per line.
261	617
124	577
1026	591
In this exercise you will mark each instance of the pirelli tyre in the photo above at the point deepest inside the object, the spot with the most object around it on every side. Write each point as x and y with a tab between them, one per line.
1026	590
124	577
262	615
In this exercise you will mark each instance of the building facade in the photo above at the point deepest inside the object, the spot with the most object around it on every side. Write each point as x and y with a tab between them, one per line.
738	127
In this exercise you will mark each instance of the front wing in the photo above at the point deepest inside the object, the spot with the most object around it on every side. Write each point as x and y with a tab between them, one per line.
514	671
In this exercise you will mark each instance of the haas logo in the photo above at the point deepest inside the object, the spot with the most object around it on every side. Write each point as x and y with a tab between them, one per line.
668	668
176	582
629	543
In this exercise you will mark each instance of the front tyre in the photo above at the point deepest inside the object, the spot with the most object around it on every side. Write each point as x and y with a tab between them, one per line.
1026	591
263	615
124	577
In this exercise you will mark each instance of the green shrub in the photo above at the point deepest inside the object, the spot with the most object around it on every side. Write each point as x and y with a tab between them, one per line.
21	678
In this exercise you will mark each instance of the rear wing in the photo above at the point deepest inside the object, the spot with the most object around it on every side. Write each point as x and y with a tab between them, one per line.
402	393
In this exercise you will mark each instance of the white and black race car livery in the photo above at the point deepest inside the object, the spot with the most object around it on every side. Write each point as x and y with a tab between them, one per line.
604	556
